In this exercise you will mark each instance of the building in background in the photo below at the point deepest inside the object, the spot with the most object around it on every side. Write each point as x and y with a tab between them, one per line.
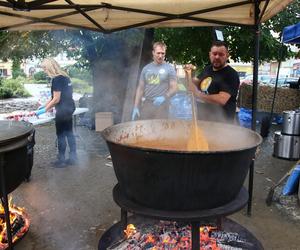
243	69
289	68
31	66
5	69
296	68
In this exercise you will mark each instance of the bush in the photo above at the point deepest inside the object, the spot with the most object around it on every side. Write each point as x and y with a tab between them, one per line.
81	86
18	73
13	88
5	92
40	77
79	73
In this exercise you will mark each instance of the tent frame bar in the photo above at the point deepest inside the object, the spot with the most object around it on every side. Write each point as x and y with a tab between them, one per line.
21	5
47	20
83	13
84	8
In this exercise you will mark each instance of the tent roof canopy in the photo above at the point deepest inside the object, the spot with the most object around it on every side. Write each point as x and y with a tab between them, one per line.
291	34
115	15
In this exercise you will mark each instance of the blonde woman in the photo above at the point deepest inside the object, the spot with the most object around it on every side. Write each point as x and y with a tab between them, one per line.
62	100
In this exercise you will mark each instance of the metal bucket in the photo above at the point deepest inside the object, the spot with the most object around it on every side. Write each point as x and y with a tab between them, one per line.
291	122
286	146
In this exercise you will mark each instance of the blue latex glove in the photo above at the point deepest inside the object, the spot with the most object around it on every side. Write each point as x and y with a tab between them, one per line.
159	100
135	113
40	111
41	107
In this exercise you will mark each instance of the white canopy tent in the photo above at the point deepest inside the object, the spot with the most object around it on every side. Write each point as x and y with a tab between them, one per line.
115	15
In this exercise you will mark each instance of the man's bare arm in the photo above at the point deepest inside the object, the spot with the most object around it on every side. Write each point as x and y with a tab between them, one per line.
221	98
139	93
172	88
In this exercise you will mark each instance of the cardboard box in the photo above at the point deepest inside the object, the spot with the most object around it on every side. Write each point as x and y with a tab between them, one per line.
103	120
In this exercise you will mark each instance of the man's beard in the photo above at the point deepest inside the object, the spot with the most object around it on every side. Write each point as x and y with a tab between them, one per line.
218	65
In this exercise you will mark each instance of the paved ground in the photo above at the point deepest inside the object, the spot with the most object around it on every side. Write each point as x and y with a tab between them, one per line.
70	208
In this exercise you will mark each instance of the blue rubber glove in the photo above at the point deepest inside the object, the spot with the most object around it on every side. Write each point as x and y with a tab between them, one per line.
135	113
41	107
159	100
40	111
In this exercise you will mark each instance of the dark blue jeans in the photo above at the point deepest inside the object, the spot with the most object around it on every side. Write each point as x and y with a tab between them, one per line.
64	132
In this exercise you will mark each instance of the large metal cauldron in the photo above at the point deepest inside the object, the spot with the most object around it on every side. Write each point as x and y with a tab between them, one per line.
15	162
179	179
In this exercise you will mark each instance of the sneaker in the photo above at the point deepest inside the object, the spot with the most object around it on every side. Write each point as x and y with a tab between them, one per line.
59	164
71	161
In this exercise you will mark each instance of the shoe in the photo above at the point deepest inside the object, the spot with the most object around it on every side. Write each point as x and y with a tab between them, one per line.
59	164
71	161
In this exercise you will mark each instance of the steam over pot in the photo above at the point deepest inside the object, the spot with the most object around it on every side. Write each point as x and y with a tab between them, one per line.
178	179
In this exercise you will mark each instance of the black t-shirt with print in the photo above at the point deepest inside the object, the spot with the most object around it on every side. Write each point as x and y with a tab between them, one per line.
213	82
66	105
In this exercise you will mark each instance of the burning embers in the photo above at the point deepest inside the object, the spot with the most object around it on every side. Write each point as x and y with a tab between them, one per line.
19	222
172	235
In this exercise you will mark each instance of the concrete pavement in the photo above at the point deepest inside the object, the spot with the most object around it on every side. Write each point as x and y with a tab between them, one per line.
71	207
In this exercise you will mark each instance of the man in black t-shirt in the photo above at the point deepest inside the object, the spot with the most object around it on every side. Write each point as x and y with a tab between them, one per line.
216	88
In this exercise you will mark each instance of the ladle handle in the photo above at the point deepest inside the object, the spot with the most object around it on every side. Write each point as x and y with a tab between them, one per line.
194	108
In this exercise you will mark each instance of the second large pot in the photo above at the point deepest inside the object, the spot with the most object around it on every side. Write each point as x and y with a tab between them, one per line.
14	159
180	180
291	122
286	146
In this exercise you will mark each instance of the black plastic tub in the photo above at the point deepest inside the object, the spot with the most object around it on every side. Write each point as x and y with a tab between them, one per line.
16	153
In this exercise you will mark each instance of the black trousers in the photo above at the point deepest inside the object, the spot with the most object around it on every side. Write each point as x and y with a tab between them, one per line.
64	132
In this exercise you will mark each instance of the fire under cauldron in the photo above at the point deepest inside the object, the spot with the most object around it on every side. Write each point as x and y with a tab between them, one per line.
177	179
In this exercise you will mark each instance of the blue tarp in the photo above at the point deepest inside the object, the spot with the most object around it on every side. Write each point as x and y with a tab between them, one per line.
245	117
291	34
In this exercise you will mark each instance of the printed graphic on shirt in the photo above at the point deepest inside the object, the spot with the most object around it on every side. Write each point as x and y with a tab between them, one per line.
153	78
204	85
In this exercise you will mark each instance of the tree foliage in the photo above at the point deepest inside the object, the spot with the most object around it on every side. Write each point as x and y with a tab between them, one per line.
192	44
184	44
88	46
22	45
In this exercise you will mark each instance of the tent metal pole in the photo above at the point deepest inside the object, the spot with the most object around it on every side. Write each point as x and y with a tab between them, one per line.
255	77
254	98
276	82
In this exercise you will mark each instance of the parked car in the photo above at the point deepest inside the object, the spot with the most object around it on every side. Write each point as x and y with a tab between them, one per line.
291	82
260	78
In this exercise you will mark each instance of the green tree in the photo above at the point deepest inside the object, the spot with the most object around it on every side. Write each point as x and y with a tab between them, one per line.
18	46
192	44
22	45
16	68
108	57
